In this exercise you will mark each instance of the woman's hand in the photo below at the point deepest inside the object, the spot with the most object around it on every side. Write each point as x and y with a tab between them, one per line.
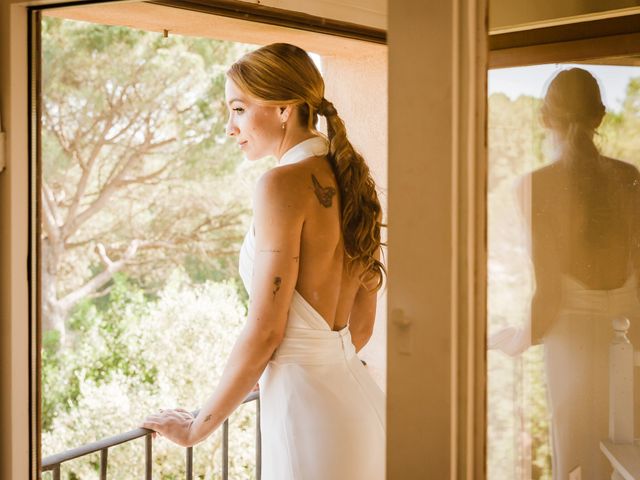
173	424
510	340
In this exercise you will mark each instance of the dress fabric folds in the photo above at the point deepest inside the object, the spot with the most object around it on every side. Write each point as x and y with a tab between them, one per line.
576	353
321	413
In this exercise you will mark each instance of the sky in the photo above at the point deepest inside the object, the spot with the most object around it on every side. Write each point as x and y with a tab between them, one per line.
532	80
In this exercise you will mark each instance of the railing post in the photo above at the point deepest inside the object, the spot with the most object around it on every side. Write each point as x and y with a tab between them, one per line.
621	364
258	442
225	450
148	459
54	462
189	463
104	456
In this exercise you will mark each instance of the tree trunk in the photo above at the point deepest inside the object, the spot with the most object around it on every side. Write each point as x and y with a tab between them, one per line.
53	315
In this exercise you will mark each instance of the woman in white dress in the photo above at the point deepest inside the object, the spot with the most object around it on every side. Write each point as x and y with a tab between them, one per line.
584	213
311	264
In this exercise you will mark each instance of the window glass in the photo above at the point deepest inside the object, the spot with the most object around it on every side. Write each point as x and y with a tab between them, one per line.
563	265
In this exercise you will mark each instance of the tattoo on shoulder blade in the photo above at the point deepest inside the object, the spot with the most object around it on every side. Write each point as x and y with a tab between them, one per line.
324	194
277	281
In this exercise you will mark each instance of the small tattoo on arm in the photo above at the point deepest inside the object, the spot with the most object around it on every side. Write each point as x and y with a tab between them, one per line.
295	259
276	286
324	194
207	418
270	251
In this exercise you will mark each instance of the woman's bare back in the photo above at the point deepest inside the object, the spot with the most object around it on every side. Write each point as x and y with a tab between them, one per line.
322	278
587	215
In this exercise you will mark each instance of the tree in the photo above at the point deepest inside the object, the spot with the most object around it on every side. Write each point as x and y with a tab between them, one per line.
136	172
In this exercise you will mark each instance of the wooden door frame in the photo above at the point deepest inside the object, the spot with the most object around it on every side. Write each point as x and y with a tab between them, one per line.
575	42
228	8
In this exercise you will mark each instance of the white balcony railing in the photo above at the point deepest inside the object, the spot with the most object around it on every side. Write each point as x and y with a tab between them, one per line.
622	448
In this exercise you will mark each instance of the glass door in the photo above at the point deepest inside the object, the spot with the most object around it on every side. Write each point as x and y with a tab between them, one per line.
563	269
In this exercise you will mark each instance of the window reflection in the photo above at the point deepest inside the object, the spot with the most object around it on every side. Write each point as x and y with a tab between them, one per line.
579	209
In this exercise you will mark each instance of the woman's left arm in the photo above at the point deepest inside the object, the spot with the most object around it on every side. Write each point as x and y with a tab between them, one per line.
278	219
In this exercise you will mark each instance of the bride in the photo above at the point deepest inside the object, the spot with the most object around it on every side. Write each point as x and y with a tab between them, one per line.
311	263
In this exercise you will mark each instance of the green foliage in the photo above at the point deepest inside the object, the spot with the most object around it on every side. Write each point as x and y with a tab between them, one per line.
134	128
132	356
100	349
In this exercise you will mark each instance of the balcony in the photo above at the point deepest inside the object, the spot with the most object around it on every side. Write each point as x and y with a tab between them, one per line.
55	462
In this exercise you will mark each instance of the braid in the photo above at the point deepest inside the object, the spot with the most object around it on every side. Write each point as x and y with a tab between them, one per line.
361	209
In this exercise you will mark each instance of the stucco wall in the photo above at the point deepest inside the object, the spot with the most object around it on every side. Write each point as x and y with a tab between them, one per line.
357	86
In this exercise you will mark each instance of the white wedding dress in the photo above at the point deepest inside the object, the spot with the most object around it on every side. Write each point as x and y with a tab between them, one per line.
321	414
576	351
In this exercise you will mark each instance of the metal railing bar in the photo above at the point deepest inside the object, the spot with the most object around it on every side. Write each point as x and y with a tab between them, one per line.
50	462
189	463
225	450
104	456
258	442
148	460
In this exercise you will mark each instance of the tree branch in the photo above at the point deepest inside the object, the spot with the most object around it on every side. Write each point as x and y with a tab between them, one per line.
50	214
102	278
70	221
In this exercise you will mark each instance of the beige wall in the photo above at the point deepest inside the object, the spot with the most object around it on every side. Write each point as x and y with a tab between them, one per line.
507	15
363	106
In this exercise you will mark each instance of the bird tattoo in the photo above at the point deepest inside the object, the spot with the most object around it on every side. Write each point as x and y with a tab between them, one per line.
324	194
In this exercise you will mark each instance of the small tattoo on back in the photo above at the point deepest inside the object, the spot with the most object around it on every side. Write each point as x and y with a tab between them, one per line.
324	194
277	282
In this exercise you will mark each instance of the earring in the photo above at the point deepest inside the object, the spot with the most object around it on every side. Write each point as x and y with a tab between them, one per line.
283	125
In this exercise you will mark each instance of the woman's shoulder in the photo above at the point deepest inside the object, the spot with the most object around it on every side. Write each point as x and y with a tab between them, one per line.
620	165
286	183
622	173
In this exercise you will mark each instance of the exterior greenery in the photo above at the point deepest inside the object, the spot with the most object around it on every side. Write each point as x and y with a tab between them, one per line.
144	206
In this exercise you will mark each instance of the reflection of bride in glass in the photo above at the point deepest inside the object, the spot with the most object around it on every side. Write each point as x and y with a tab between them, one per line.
583	212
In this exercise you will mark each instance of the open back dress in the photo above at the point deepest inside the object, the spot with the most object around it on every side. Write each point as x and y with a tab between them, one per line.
321	413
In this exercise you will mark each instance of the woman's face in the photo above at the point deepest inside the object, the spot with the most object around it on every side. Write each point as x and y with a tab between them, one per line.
257	129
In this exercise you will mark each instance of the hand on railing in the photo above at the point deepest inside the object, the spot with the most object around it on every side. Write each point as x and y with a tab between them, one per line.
54	462
174	424
510	340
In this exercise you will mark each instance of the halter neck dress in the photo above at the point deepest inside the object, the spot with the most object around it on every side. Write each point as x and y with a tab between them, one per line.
321	413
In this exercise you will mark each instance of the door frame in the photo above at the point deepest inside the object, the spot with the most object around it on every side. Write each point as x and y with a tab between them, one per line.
227	8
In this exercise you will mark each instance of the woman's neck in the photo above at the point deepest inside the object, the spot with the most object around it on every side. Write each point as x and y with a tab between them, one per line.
291	139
